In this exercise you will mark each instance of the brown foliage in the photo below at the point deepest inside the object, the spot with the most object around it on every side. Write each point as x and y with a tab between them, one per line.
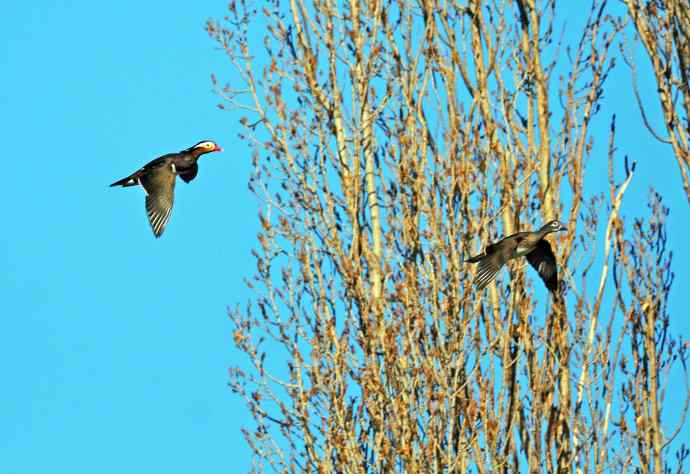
391	140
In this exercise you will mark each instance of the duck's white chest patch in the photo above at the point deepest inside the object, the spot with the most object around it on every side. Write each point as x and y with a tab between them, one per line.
523	250
173	167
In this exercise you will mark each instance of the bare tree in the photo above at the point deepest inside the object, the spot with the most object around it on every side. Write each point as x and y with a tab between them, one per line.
392	139
663	27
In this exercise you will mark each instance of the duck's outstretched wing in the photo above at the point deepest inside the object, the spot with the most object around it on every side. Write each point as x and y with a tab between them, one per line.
544	261
490	262
188	174
488	268
159	185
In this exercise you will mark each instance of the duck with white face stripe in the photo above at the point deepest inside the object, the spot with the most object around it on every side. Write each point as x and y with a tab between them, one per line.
157	178
531	245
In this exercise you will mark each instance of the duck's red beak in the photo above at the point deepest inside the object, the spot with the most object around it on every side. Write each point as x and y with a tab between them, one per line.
217	148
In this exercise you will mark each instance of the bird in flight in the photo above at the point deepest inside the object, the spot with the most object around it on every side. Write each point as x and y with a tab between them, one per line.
531	245
157	178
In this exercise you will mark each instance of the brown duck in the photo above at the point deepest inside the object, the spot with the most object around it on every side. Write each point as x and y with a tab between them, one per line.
531	245
157	178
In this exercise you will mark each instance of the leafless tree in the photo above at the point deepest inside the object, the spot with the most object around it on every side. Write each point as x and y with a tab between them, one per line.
663	27
391	140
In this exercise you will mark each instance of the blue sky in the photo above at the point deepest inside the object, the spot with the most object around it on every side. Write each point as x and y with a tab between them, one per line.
115	346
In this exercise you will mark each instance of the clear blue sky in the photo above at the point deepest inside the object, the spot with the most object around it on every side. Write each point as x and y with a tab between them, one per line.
114	346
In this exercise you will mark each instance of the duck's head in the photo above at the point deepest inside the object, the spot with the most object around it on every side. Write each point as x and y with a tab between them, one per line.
553	226
205	146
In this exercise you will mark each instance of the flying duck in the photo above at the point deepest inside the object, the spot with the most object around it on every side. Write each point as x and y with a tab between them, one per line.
157	178
531	245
